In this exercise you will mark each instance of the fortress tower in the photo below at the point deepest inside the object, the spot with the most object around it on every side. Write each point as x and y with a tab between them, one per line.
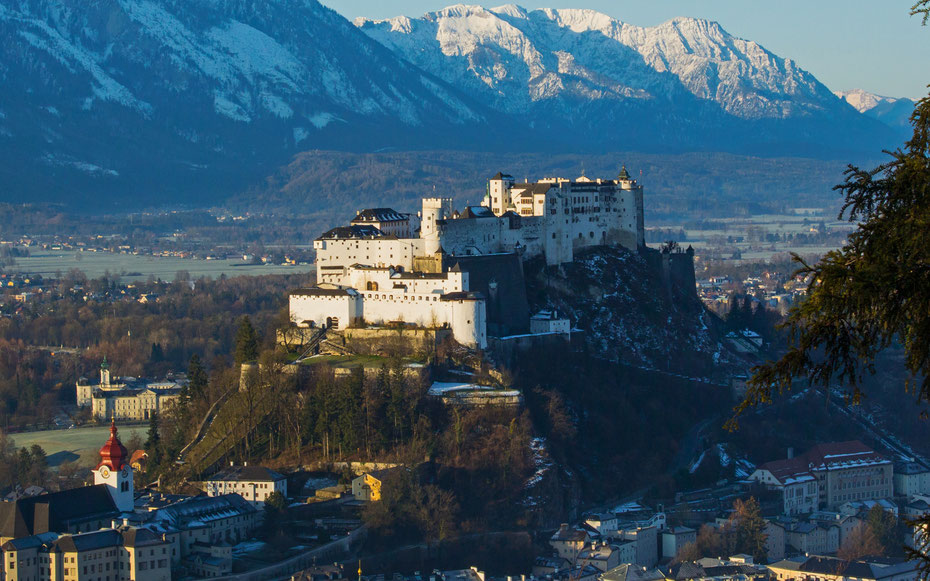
114	471
434	210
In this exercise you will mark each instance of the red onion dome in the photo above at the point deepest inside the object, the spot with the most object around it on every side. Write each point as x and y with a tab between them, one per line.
113	453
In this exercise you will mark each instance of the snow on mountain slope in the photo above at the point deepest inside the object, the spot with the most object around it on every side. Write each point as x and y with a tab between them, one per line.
197	82
892	111
518	57
861	100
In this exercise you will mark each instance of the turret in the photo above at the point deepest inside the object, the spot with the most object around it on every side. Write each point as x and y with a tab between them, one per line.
105	372
114	471
434	210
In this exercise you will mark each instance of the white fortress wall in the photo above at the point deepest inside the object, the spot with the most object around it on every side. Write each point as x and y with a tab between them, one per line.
346	308
372	252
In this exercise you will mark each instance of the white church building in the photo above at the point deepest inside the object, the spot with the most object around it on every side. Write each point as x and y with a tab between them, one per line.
384	267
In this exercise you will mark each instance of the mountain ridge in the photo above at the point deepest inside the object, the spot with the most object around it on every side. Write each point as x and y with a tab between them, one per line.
131	102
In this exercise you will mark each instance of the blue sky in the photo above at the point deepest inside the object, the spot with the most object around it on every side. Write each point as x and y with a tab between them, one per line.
868	44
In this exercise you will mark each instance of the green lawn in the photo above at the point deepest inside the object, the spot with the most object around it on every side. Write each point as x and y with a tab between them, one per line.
81	444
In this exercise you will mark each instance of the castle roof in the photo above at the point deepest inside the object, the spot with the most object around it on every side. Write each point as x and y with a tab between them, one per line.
316	291
476	212
502	176
380	215
354	232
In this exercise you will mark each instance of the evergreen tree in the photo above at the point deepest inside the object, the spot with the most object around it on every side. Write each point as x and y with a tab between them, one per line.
246	342
153	442
874	292
196	378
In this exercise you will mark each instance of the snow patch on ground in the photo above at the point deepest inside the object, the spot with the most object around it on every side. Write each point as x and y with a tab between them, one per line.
223	106
697	463
300	134
88	168
543	464
322	119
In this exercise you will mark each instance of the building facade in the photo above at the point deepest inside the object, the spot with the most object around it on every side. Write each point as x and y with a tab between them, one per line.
252	483
827	476
125	398
379	269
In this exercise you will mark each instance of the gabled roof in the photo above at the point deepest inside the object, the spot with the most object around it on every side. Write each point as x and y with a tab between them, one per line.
823	457
246	474
380	215
55	511
838	455
476	212
502	176
88	541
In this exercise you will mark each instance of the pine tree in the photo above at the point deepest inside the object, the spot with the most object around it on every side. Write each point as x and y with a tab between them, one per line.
153	442
196	378
246	342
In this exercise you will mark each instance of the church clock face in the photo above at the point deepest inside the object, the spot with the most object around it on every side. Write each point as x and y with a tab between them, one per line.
105	472
125	472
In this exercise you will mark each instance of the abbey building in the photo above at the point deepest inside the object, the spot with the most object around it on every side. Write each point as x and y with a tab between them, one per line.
389	267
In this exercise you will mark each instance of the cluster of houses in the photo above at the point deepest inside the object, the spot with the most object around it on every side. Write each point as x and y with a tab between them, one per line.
774	290
823	495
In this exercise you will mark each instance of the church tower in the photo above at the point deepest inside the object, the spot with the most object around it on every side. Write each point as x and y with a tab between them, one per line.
114	471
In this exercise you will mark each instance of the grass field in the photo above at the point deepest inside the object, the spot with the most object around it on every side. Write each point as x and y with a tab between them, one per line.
95	264
81	444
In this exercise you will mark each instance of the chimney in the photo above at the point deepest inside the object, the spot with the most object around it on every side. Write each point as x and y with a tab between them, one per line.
790	453
563	529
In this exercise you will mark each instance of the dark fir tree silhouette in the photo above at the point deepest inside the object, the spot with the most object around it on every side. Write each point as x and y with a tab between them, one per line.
246	342
872	293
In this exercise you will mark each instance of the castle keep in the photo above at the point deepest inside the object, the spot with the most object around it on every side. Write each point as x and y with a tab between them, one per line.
388	267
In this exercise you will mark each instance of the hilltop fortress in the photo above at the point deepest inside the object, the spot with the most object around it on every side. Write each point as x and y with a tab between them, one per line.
462	270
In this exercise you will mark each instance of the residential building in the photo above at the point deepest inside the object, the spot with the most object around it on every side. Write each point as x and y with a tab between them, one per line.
674	538
828	475
119	554
631	572
733	569
605	524
911	478
832	569
569	542
253	483
602	556
368	486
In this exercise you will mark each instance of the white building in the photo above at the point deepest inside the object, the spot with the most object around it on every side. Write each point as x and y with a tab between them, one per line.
911	478
253	483
549	322
381	295
126	398
375	271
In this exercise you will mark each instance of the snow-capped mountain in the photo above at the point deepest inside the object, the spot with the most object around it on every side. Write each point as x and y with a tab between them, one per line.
685	82
107	87
893	111
861	100
518	57
179	99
